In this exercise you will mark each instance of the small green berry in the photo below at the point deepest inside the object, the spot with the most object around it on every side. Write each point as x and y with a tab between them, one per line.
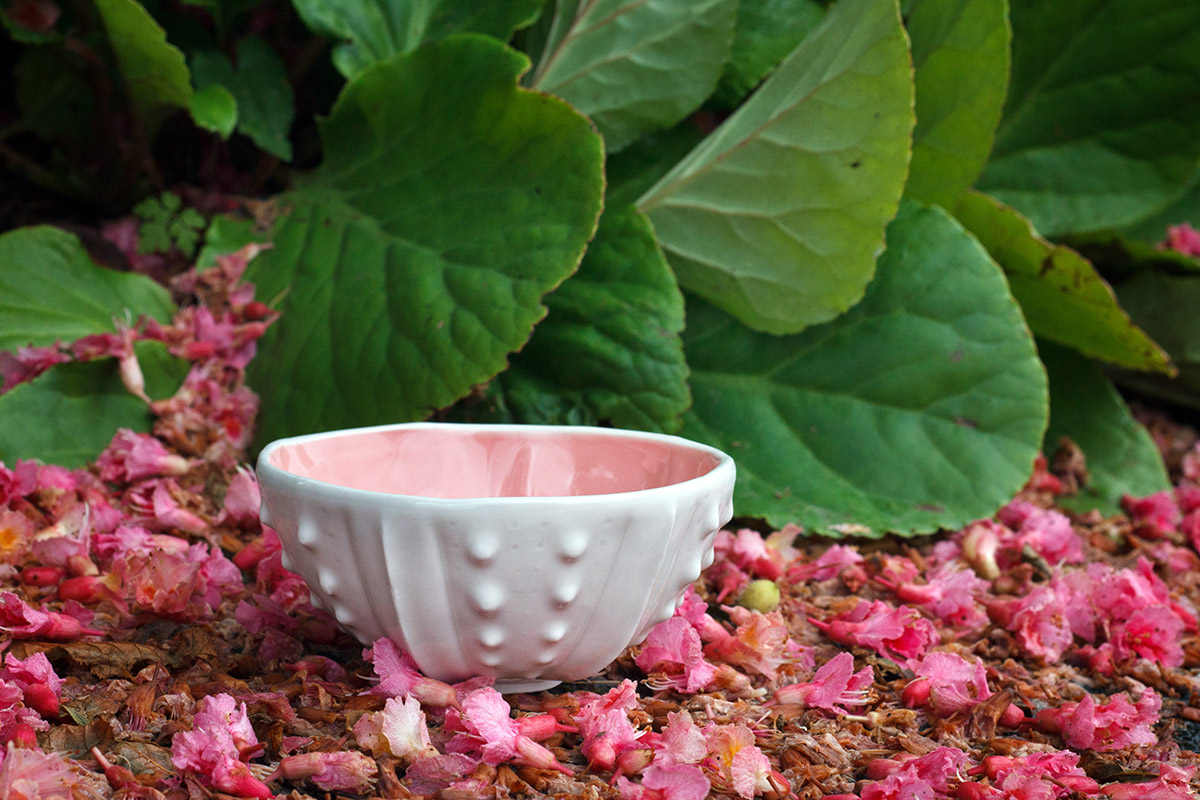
760	595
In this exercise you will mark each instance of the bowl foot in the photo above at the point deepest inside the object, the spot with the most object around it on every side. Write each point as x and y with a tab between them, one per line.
520	685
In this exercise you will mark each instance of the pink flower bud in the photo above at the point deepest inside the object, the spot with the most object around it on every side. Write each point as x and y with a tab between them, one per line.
980	545
42	576
916	693
42	699
539	727
131	375
24	736
631	762
880	768
533	754
970	790
1013	717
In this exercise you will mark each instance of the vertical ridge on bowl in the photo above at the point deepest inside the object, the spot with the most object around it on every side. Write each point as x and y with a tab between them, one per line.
433	636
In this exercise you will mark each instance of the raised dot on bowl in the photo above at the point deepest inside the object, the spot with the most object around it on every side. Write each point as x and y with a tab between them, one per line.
572	545
488	598
491	637
308	534
565	593
554	632
328	580
482	548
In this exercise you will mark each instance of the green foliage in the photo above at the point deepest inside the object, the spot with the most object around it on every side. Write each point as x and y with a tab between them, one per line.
375	30
78	408
166	225
1102	124
436	248
829	131
53	292
214	108
767	30
1163	305
609	349
960	50
934	361
263	105
1063	297
443	212
156	75
1183	208
1086	408
634	67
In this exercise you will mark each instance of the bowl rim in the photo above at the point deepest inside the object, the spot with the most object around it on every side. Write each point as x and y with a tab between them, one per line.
268	473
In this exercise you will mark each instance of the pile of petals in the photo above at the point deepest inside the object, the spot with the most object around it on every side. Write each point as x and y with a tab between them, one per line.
155	647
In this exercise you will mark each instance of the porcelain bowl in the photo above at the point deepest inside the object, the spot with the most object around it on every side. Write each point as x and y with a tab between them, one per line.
532	554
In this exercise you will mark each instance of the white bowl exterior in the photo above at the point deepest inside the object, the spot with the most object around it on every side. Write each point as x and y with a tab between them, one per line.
547	588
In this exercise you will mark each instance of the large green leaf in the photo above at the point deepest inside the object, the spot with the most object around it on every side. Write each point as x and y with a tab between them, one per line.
1084	406
1063	297
78	408
498	18
154	71
610	342
767	30
635	66
51	291
922	407
415	258
265	105
1163	304
960	49
375	30
778	215
1102	124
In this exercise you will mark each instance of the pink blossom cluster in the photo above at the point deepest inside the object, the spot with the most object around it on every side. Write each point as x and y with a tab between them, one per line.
947	683
479	727
744	555
1112	725
991	547
899	633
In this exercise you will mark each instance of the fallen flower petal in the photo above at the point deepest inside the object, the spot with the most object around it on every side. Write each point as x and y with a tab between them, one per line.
131	456
30	774
680	742
1113	725
673	651
834	686
347	770
1172	783
892	632
670	782
400	677
23	621
827	565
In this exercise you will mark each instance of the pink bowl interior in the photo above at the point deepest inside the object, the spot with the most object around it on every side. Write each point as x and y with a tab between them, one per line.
455	463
